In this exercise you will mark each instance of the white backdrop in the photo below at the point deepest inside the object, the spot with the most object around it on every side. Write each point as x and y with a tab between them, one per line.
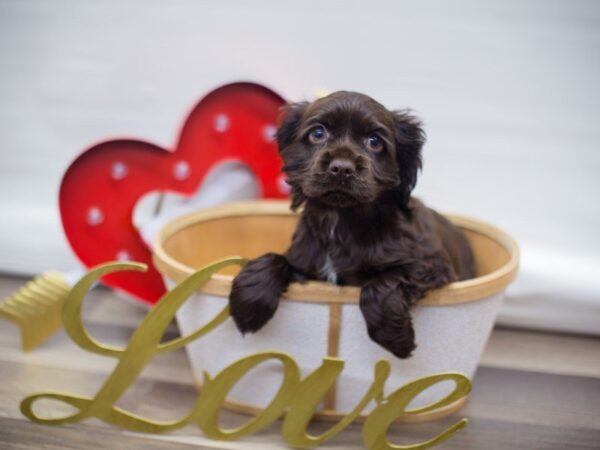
508	91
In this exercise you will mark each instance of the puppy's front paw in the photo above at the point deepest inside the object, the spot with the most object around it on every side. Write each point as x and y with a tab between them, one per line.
388	319
397	337
256	290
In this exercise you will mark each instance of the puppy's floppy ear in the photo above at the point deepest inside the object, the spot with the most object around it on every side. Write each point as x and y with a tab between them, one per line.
409	138
291	116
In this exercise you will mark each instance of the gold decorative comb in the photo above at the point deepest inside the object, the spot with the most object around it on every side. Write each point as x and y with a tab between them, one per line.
36	308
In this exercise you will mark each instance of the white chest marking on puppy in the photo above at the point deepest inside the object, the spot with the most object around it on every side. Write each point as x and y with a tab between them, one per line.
328	271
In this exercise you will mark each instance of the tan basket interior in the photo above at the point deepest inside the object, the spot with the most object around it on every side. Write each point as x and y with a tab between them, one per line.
251	236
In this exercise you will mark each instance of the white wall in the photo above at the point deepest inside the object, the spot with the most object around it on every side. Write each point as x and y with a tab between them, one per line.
508	91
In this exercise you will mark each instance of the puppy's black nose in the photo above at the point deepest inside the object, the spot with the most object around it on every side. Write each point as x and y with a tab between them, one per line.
342	167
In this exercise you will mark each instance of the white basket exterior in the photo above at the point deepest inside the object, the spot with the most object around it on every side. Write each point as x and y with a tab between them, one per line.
449	338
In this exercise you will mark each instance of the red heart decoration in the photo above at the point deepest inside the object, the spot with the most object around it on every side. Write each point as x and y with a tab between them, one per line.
101	188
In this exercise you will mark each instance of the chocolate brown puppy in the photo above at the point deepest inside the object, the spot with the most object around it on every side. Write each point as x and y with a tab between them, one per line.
353	164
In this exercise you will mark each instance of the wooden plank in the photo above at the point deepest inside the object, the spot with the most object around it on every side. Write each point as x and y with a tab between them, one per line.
483	434
20	435
535	398
543	352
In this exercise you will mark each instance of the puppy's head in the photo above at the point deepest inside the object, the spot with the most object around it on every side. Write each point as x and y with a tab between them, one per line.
346	149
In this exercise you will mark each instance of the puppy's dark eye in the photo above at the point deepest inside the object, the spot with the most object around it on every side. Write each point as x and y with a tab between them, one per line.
318	134
374	142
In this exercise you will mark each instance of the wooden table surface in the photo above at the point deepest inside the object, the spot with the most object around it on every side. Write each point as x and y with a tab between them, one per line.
532	391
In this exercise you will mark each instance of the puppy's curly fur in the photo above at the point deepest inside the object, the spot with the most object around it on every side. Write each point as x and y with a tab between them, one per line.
353	165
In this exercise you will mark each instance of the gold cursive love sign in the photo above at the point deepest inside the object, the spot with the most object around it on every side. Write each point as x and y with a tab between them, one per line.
295	401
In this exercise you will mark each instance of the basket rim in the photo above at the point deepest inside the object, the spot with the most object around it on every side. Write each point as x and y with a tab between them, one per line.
319	291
